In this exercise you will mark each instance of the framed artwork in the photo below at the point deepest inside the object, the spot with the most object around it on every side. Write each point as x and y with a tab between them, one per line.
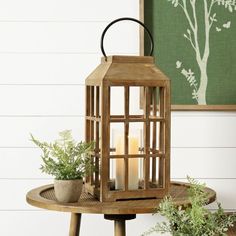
195	45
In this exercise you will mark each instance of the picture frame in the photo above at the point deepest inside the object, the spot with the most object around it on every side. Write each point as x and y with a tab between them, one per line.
148	20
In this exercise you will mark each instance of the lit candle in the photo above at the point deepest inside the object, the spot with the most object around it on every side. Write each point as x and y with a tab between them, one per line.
133	164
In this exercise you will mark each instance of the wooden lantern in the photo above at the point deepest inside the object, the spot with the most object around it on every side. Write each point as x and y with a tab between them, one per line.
142	171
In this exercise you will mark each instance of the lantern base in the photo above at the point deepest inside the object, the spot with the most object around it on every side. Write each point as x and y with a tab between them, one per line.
154	191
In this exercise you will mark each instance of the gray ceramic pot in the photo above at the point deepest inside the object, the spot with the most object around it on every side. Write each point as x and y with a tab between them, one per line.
68	190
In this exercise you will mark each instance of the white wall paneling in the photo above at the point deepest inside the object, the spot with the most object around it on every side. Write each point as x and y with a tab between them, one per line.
13	159
204	163
15	131
16	190
204	134
37	223
44	100
209	129
67	37
46	68
48	223
67	10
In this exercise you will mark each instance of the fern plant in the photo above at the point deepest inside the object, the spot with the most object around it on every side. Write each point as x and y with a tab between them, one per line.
65	158
195	219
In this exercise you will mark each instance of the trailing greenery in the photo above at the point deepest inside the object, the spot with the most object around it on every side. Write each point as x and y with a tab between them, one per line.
65	158
195	219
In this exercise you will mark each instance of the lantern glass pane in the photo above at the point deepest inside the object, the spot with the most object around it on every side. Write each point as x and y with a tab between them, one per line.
154	136
112	175
161	174
135	137
155	99
141	172
117	138
96	171
154	172
161	101
117	100
97	99
134	104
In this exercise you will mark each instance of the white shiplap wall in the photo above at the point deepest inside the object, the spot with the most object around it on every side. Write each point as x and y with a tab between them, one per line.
47	48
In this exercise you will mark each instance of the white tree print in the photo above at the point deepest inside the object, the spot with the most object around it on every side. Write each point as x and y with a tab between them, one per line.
192	35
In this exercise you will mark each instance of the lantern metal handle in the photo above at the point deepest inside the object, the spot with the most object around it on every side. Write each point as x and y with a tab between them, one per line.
130	19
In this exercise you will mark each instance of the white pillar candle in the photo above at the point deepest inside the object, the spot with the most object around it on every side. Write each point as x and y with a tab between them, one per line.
133	178
133	164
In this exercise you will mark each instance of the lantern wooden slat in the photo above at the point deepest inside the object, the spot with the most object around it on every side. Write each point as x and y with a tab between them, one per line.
128	72
136	155
154	133
134	119
105	141
147	137
161	135
97	119
87	121
126	105
92	127
139	193
97	138
166	167
87	112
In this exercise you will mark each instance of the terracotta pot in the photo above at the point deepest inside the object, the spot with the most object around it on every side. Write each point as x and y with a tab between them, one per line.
68	191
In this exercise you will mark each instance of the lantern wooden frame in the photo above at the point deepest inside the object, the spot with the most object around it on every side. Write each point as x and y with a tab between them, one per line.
128	71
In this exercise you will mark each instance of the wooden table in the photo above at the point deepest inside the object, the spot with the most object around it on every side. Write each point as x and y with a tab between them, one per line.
119	212
232	230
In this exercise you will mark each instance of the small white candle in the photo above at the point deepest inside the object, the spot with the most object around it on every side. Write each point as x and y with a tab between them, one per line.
133	164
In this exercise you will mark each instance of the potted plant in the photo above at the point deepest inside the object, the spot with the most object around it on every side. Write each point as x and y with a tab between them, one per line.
68	161
195	219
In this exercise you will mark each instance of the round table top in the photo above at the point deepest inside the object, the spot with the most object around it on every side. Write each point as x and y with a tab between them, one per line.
44	197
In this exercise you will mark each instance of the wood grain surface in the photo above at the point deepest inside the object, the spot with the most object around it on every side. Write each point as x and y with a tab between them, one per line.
44	197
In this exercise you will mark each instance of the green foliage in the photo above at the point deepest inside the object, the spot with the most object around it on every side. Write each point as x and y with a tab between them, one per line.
65	158
228	4
195	219
175	3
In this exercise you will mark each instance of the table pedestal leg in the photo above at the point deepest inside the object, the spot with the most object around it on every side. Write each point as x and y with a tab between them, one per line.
119	223
120	228
75	224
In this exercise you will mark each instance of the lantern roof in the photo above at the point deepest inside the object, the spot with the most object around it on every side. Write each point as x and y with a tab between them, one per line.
127	70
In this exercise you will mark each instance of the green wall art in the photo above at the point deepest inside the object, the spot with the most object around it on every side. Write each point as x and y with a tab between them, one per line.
195	45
